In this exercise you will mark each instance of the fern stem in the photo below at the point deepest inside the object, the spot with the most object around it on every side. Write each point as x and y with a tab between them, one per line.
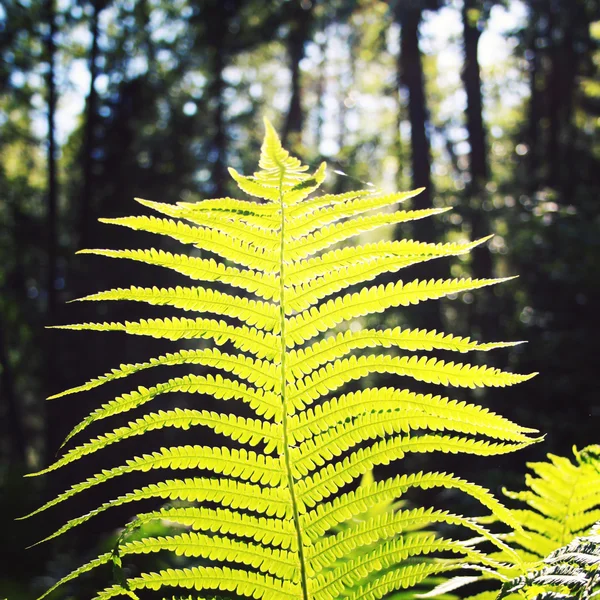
286	448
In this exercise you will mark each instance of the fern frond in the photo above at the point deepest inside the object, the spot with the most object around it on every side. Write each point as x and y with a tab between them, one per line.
244	583
101	560
305	360
327	551
200	269
263	403
252	431
310	205
301	226
229	493
336	374
261	236
333	234
328	515
241	464
564	501
249	339
274	561
267	210
315	421
303	271
266	514
303	296
384	556
402	577
256	313
322	448
276	532
371	300
328	480
228	248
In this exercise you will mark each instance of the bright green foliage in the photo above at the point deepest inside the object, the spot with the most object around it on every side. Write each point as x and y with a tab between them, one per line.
276	516
573	571
563	499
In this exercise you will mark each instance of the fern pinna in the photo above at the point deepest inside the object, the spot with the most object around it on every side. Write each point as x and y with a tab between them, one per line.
266	517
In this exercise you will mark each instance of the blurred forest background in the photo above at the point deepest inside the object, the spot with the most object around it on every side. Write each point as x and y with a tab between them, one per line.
493	106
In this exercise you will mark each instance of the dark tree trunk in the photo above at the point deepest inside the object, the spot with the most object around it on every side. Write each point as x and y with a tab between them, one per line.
217	37
570	62
411	75
535	109
320	93
91	119
219	139
52	431
299	34
479	169
554	96
411	69
13	425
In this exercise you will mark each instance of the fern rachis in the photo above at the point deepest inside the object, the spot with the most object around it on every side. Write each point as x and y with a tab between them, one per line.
267	514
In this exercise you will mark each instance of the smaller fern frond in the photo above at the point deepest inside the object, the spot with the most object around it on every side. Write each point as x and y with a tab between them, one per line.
327	480
305	360
376	299
242	582
275	532
301	226
241	464
430	370
200	269
256	313
206	239
227	492
319	419
326	237
245	430
563	498
387	554
264	403
274	561
244	338
262	236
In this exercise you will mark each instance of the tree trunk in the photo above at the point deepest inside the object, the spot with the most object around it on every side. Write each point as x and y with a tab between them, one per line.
300	20
13	425
554	96
479	170
52	431
91	108
411	75
534	110
219	139
570	65
321	88
217	37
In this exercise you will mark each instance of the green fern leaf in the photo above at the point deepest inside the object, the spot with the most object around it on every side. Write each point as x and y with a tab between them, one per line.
277	512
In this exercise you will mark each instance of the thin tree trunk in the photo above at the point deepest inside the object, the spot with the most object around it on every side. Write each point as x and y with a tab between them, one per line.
482	266
534	109
428	314
219	139
554	96
570	62
14	425
217	38
52	431
298	36
321	88
91	119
